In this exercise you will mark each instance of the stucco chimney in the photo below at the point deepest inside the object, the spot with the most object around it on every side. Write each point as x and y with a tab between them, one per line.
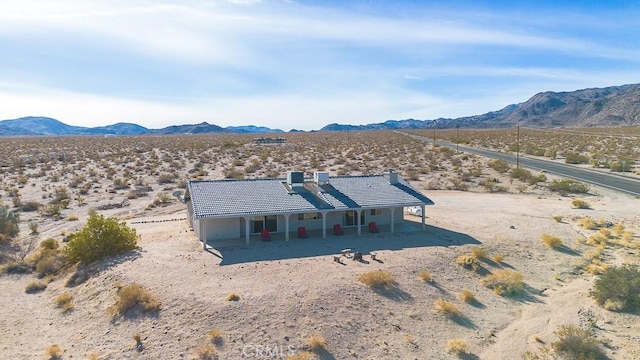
392	176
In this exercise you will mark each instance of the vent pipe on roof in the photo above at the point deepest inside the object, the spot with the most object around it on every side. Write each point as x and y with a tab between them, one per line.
295	178
392	176
321	177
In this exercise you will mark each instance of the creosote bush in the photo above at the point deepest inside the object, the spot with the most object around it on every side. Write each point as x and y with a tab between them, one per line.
468	261
206	352
467	296
576	343
233	297
504	282
618	288
100	238
53	352
569	186
479	252
425	276
35	286
551	241
378	279
65	302
580	204
301	355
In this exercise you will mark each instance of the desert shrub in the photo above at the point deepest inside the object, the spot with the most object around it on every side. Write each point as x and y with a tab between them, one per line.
618	166
569	186
49	244
588	223
167	178
457	347
504	282
575	158
479	252
316	343
618	229
425	276
29	206
378	279
551	241
468	261
206	352
65	302
134	295
447	308
35	286
576	343
48	262
580	204
499	258
557	218
499	165
100	238
467	296
53	352
618	288
521	174
9	224
233	297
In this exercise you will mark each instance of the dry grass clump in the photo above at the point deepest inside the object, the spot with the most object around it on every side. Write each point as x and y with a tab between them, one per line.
53	352
467	296
65	302
35	286
316	343
557	218
468	261
206	352
447	308
457	347
588	223
93	356
618	229
580	204
215	335
499	258
378	279
134	295
504	282
479	252
233	297
551	241
425	276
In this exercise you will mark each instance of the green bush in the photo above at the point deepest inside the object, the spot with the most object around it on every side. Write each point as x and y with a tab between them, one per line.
576	158
618	288
569	186
100	238
499	165
9	221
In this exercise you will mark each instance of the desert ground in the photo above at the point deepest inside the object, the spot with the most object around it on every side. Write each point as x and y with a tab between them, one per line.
290	291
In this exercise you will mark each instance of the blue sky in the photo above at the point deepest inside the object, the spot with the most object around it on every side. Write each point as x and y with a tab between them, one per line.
303	64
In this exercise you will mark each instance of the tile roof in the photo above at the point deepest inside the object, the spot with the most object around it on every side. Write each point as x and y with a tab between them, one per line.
227	198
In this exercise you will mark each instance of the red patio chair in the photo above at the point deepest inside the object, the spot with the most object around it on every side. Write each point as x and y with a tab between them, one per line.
302	233
264	235
373	228
337	230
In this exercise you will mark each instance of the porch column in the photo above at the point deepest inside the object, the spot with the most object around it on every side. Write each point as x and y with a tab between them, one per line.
423	217
246	230
358	222
324	224
286	222
203	234
392	219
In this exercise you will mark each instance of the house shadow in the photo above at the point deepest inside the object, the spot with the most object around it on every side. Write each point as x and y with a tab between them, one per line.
407	235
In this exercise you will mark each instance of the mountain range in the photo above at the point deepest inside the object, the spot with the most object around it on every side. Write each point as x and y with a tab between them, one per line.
610	106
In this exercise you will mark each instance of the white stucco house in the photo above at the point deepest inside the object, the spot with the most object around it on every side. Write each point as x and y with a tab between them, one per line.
227	209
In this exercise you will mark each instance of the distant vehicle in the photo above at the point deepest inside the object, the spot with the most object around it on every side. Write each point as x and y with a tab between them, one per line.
414	210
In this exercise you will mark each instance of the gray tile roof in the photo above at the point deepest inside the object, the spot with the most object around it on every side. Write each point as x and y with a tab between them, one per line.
227	198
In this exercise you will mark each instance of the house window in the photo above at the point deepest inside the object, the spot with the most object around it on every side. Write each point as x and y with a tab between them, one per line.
309	216
256	224
374	212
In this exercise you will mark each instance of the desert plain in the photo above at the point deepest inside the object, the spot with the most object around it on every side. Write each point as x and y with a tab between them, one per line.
291	292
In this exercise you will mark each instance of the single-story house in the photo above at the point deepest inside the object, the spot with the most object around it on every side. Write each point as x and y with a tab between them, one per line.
226	209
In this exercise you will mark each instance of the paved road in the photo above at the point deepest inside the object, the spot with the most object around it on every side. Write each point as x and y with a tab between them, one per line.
610	181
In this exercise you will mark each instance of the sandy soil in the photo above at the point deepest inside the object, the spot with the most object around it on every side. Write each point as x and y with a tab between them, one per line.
290	291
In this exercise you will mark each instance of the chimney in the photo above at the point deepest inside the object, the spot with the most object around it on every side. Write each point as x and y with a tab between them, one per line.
391	176
321	177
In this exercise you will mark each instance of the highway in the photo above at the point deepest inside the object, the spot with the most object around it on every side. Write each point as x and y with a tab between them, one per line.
610	181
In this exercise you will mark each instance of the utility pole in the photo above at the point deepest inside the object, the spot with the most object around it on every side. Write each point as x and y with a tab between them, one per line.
518	149
434	135
457	137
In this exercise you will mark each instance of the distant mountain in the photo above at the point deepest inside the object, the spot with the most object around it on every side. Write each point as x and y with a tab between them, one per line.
252	129
611	106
